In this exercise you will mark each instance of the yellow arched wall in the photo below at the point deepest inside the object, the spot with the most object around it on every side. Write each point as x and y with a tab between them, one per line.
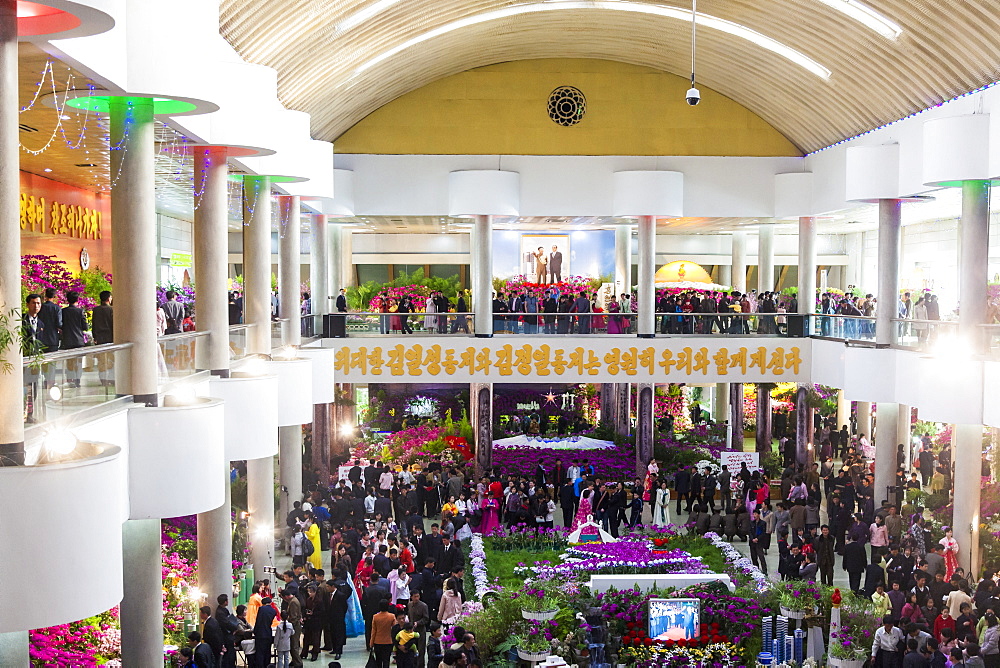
501	109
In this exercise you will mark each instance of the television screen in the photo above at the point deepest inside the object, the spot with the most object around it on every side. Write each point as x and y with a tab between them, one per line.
674	618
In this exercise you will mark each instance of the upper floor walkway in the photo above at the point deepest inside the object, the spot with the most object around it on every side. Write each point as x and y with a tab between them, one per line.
70	386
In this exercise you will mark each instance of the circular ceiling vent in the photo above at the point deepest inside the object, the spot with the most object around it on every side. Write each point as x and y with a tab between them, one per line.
567	105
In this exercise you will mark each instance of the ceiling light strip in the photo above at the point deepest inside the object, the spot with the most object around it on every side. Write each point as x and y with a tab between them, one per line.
663	11
866	16
354	20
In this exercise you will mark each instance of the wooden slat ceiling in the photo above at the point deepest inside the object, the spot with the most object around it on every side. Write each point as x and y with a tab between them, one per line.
947	47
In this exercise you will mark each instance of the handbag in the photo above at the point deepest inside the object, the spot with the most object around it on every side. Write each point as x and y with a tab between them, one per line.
371	659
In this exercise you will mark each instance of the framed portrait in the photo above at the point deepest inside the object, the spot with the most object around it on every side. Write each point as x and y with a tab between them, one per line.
545	257
674	618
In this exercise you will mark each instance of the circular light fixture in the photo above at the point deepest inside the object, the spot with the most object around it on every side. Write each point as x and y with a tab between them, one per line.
55	393
101	104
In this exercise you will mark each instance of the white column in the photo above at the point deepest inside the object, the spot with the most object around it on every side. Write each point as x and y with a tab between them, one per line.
260	505
290	270
623	259
720	403
211	257
290	467
133	245
257	262
482	289
319	268
967	449
346	258
646	325
215	546
739	276
335	251
765	258
855	248
974	241
807	268
11	409
725	274
889	225
968	446
142	607
865	419
14	649
886	444
843	410
903	435
257	311
133	208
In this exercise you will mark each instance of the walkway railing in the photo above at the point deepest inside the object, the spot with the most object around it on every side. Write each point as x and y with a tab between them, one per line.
922	334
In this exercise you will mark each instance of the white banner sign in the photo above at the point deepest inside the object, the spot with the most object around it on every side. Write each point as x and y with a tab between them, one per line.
733	460
573	359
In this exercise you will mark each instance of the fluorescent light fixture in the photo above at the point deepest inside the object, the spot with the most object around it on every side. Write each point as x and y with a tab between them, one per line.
664	11
867	16
368	12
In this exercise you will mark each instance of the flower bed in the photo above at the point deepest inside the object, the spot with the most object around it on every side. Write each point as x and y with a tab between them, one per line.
95	641
617	463
525	538
632	555
477	558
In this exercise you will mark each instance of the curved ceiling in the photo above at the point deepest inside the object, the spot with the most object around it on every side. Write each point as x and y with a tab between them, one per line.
339	60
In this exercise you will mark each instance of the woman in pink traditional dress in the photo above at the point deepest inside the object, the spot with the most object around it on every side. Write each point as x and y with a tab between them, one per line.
649	486
614	320
950	546
491	515
584	510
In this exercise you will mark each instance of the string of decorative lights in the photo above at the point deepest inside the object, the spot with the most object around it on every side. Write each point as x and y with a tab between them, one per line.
907	117
48	74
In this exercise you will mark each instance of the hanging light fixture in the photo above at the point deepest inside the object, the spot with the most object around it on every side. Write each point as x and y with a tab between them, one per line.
693	97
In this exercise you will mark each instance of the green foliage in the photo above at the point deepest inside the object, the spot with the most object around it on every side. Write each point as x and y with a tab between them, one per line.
492	626
699	546
239	494
502	564
359	297
95	281
771	462
187	549
936	500
499	284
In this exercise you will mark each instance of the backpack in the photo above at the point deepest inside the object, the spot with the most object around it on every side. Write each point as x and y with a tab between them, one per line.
307	547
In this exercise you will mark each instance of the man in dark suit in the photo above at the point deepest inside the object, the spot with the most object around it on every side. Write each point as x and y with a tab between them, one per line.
555	265
33	328
370	602
213	634
202	651
567	499
451	556
262	634
50	316
227	623
682	489
342	301
549	307
855	560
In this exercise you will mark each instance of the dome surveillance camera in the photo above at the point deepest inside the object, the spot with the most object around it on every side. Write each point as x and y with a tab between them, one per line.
693	97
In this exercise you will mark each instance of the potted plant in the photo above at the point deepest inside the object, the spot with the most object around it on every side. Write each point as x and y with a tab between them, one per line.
539	601
797	598
531	643
850	645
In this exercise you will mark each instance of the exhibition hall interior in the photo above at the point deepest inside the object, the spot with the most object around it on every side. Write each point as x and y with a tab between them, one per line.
499	333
